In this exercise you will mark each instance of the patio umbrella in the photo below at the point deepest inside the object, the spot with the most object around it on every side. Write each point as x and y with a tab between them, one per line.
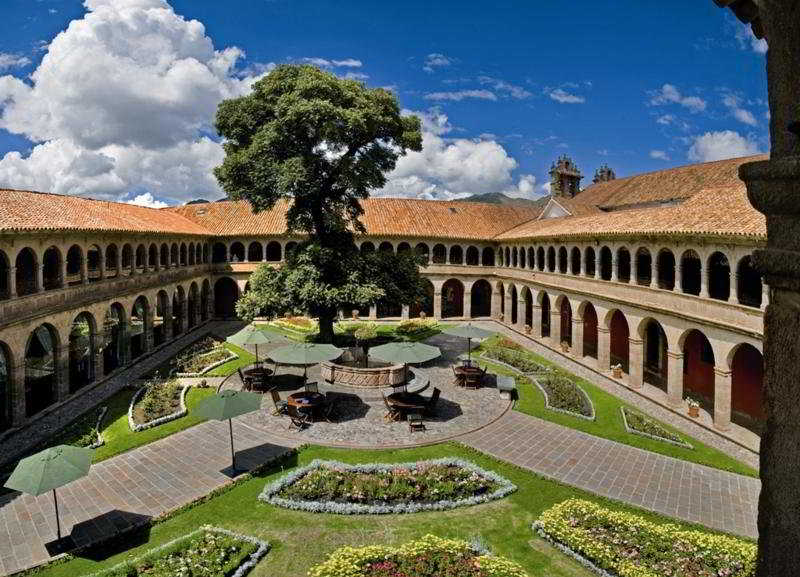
407	353
469	332
227	405
251	335
49	470
304	354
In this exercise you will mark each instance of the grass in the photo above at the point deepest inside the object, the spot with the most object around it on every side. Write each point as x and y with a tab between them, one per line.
608	423
301	540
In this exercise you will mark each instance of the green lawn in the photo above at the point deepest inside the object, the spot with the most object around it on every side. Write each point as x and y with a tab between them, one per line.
245	359
300	540
608	423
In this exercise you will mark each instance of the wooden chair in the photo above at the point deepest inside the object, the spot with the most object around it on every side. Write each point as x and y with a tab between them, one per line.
430	407
459	379
392	413
247	382
281	406
299	419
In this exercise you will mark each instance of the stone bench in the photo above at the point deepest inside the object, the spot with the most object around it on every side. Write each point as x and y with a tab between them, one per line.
507	386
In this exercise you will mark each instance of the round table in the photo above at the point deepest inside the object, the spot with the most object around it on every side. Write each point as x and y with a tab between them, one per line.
309	401
259	374
405	401
465	373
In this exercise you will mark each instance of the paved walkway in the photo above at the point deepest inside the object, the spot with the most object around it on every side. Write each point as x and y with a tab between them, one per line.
717	499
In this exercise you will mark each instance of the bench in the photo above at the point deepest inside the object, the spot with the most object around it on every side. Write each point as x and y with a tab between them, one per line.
507	386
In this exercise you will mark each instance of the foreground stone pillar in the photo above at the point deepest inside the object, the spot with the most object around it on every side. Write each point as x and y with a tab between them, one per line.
603	349
577	337
555	328
437	304
674	379
496	304
722	399
636	352
536	320
62	372
405	313
507	313
18	401
468	304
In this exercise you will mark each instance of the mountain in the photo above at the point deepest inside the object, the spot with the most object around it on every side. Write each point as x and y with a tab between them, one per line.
500	198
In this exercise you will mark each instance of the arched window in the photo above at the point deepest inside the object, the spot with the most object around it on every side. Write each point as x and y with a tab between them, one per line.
425	305
531	257
565	309
403	248
439	254
198	257
514	257
619	334
204	296
487	256
690	273
605	263
127	259
591	263
748	283
75	263
456	254
174	254
481	299
141	257
545	318
178	311
513	316
422	250
114	339
191	254
507	260
26	272
589	330
521	257
386	246
644	267
237	252
367	247
562	260
473	257
452	299
94	262
698	369
41	363
719	277
291	246
163	259
111	260
192	306
527	307
160	319
747	388
137	326
551	259
226	293
255	252
183	255
623	265
666	269
655	355
81	352
540	258
152	257
51	261
575	261
218	253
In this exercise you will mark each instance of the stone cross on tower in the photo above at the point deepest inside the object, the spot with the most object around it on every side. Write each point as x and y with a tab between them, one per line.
565	178
603	174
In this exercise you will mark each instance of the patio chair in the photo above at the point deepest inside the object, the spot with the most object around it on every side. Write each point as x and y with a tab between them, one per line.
430	407
281	406
459	379
392	413
247	382
312	387
299	418
474	381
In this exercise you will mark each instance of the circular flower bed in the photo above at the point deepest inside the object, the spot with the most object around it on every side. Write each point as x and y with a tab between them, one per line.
380	488
429	557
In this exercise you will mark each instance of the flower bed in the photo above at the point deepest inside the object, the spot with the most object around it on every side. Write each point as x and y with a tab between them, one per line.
156	403
380	488
639	424
415	327
428	557
564	396
625	545
302	325
206	552
195	360
513	359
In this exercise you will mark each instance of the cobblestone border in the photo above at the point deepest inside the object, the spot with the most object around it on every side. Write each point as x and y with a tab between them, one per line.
684	444
538	528
243	569
270	492
232	356
181	412
549	407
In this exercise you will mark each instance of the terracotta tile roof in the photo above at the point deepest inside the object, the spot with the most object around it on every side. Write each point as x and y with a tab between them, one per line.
37	211
663	185
392	217
713	212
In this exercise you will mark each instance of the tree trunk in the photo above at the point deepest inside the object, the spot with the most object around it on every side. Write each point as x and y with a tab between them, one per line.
326	327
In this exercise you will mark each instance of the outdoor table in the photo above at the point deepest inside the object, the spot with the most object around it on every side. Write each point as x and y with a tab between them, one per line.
259	374
407	402
311	402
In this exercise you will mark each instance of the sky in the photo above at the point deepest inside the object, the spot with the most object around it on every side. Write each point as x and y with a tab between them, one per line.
115	99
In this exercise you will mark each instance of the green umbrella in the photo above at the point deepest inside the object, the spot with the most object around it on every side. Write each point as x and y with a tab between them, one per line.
252	335
227	405
405	353
304	354
469	332
50	469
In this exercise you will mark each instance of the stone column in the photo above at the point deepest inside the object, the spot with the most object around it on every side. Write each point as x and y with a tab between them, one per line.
62	281
167	320
520	315
583	263
39	278
577	337
264	252
674	378
85	268
678	275
12	282
184	304
703	277
118	262
507	315
447	254
764	296
614	264
636	351
603	348
634	269
62	372
468	304
722	399
405	312
18	401
228	252
495	303
597	267
555	327
536	320
437	304
99	362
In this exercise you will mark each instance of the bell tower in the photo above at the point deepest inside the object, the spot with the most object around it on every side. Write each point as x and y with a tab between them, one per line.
603	174
565	178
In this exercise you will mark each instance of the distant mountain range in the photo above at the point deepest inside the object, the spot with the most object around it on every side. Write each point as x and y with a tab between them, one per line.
500	198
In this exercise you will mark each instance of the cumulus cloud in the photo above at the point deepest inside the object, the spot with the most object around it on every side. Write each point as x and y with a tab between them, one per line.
458	95
436	60
122	101
9	61
326	63
734	104
748	41
505	88
721	145
147	200
454	167
669	94
659	155
564	97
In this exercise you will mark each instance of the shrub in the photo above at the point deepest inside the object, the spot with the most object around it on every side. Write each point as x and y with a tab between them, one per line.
297	323
412	327
366	332
159	399
565	395
638	423
428	557
626	545
514	359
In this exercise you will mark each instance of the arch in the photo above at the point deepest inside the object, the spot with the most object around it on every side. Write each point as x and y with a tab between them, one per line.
452	298
198	253
563	258
178	311
589	316
747	387
403	248
540	258
439	254
367	247
591	262
481	299
698	368
575	260
237	252
226	293
94	263
255	251
456	254
749	290
544	303
6	370
423	251
75	263
513	313
206	252
290	247
114	338
690	272
160	318
275	252
5	281
521	257
218	253
606	261
527	306
619	339
163	258
41	364
531	258
192	306
111	260
665	265
473	257
551	259
644	267
152	257
174	254
514	257
719	276
623	265
425	305
565	311
137	326
51	273
26	272
386	246
127	259
82	347
205	291
183	255
655	353
191	254
141	258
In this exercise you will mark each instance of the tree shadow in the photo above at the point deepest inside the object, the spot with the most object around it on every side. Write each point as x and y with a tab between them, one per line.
109	534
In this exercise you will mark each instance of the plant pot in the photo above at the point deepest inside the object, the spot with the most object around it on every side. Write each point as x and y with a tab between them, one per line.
694	412
616	372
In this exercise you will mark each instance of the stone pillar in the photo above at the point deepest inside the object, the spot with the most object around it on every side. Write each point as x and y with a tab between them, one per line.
678	275
39	278
437	304
62	282
118	263
722	399
614	264
468	304
495	303
583	263
85	268
184	304
603	349
12	282
62	372
703	277
520	326
507	315
674	378
227	253
636	351
99	362
555	327
373	312
167	320
447	254
577	337
536	320
597	274
405	312
764	296
634	269
18	401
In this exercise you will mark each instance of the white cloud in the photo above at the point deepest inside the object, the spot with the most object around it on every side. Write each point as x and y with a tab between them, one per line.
459	95
9	61
356	76
326	63
659	155
147	200
734	104
133	120
546	188
748	41
665	119
564	97
669	94
506	88
721	145
436	60
453	168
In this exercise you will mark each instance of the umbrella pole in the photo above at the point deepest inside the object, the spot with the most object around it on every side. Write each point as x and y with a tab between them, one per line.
58	522
256	354
469	351
233	455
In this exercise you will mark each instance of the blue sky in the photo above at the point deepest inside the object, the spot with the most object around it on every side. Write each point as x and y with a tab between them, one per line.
122	104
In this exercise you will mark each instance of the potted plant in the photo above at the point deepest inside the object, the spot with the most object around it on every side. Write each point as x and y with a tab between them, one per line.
528	329
565	346
694	407
616	371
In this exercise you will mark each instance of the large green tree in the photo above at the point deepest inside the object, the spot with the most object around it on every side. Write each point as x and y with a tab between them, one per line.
322	143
